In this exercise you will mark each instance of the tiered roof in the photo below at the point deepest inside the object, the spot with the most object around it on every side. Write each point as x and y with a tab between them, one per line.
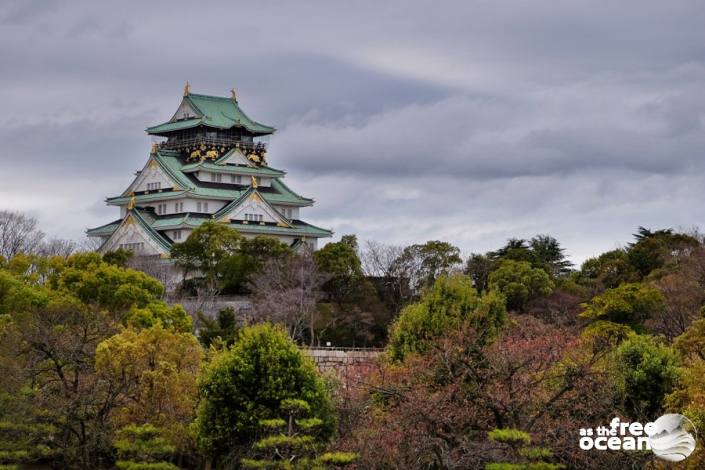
213	111
178	166
187	185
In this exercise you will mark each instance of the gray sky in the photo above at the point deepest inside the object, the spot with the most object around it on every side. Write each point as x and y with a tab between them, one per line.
467	121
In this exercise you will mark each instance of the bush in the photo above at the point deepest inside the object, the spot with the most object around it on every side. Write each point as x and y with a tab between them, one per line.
249	382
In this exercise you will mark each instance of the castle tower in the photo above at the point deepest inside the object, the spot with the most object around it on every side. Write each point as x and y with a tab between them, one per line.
211	164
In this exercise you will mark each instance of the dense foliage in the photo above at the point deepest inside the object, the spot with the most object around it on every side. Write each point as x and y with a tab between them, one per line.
248	383
493	363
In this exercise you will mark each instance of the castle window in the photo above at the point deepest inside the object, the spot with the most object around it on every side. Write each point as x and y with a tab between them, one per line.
254	217
236	179
154	186
198	207
216	177
133	247
177	234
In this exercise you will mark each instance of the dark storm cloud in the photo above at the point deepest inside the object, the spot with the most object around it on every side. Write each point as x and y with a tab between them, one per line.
467	121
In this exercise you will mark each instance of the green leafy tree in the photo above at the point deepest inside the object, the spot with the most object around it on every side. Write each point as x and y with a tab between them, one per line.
342	263
548	254
57	311
628	304
647	371
451	301
653	248
423	264
224	326
517	450
519	283
119	257
289	443
237	270
479	267
609	269
516	249
153	372
143	448
248	383
208	250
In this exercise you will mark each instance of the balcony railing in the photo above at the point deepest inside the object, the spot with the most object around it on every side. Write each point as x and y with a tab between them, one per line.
226	142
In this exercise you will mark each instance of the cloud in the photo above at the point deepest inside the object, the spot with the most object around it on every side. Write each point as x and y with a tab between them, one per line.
470	122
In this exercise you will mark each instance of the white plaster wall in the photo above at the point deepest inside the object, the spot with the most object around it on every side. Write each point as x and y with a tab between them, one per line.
132	233
190	205
183	110
152	174
205	176
293	212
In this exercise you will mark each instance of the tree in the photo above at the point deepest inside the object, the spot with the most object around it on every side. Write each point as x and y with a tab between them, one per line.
155	371
238	269
688	396
519	283
207	250
286	291
57	312
652	249
19	233
248	383
341	262
435	410
514	444
479	267
451	301
609	269
629	304
549	255
288	442
380	267
423	264
119	257
224	327
143	448
647	372
516	249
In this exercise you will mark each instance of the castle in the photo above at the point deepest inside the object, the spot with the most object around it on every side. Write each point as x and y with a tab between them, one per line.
210	164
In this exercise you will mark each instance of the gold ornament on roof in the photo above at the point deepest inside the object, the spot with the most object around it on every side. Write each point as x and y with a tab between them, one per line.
187	89
253	182
212	154
253	157
196	154
133	202
154	148
233	94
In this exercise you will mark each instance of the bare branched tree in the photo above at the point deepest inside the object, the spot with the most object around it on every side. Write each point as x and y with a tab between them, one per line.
286	291
91	244
158	268
378	259
58	247
18	234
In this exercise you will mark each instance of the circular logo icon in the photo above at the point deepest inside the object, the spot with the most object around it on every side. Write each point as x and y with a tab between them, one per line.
672	439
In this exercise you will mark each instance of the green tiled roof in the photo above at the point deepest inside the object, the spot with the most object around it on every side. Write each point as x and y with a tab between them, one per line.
154	224
175	126
145	220
234	169
214	111
104	230
170	162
